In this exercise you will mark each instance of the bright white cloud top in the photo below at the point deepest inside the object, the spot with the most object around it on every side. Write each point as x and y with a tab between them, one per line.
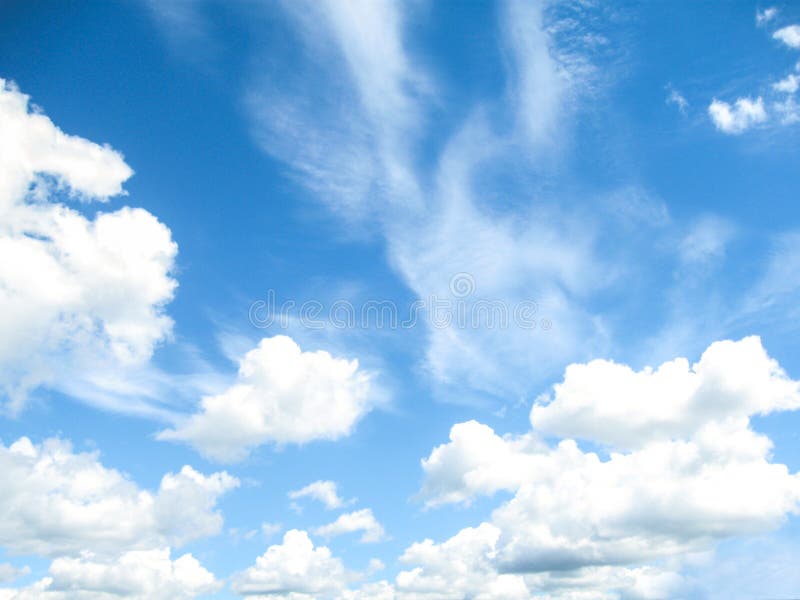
79	297
789	35
362	521
739	117
293	569
56	501
688	471
107	536
282	395
137	575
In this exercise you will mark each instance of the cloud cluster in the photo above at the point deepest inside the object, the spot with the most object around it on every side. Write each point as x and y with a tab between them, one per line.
105	534
90	292
56	501
293	570
739	117
137	575
684	470
680	470
746	113
282	395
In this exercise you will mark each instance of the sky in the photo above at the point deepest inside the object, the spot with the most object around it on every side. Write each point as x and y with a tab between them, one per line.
371	300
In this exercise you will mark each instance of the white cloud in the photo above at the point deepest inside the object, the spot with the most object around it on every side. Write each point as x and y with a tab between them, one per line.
744	114
788	110
789	84
477	461
541	83
293	570
31	144
766	15
613	404
57	502
359	159
138	575
270	529
459	567
706	240
322	491
690	472
776	290
359	520
789	35
82	297
9	572
465	566
282	395
676	98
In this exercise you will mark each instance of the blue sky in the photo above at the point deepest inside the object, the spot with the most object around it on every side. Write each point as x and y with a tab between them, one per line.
582	216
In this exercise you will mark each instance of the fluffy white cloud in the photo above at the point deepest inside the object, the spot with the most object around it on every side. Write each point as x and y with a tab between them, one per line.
789	84
669	498
460	567
610	403
464	566
282	395
293	570
789	35
692	472
477	461
322	491
79	297
31	144
137	574
56	502
359	520
739	117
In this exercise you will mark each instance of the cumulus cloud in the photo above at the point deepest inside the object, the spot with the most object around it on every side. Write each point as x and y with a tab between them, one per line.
789	84
459	567
789	35
687	472
282	395
357	521
138	575
82	297
322	491
739	117
477	461
57	502
613	404
293	570
464	566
